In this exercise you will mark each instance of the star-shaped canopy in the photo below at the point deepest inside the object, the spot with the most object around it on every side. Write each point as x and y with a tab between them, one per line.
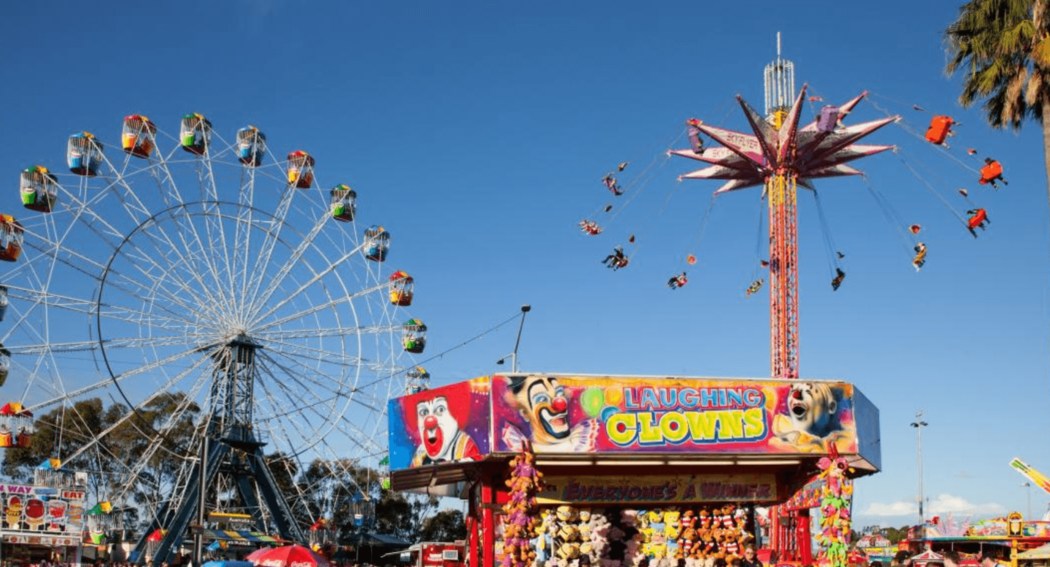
810	152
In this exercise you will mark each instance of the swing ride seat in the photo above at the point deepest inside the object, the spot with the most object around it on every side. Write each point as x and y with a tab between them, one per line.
828	119
940	128
977	219
991	172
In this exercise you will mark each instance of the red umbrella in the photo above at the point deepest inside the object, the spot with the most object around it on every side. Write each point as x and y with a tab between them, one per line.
289	556
257	553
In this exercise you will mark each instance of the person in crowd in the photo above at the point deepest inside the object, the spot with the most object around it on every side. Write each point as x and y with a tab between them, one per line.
750	560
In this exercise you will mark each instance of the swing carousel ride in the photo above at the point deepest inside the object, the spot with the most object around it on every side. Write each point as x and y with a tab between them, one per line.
236	323
782	153
783	143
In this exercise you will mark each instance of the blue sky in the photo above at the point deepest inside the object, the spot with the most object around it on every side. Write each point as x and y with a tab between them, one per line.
478	132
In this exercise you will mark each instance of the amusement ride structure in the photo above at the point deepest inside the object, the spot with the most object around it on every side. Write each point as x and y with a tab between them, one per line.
781	155
236	321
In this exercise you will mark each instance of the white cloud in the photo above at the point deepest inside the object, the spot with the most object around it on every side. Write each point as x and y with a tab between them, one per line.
941	504
945	503
891	509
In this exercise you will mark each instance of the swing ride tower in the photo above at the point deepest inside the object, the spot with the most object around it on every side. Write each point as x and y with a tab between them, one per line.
782	195
782	155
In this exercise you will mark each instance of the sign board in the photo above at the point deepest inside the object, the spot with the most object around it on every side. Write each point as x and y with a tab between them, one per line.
565	414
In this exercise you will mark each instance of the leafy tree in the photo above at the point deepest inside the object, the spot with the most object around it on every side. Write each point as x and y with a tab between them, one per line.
1003	49
446	525
87	436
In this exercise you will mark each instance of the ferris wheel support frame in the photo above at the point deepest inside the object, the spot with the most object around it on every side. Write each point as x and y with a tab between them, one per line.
230	447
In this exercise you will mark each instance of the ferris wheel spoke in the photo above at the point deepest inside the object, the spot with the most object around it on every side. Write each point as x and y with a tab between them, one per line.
120	377
312	435
335	302
157	438
198	295
145	216
364	440
214	230
302	429
305	243
198	255
317	276
166	179
301	374
134	207
163	390
277	335
79	207
314	354
81	346
268	246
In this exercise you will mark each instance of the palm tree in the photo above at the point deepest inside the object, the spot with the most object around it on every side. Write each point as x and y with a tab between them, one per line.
1003	47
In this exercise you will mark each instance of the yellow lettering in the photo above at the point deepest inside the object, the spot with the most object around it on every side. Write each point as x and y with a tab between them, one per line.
674	426
701	425
621	428
648	434
730	424
754	423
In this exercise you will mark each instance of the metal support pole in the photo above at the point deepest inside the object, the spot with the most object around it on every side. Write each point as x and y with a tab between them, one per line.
202	504
472	525
524	309
918	424
488	524
517	342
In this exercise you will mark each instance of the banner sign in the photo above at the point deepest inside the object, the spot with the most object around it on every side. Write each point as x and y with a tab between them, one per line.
591	490
40	509
51	541
562	414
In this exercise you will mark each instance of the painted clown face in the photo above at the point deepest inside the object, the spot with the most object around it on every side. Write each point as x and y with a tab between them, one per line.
544	404
812	408
437	428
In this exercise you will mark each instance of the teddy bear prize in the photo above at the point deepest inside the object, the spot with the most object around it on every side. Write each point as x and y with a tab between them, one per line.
568	536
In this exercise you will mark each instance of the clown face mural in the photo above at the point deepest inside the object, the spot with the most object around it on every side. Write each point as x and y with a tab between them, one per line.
812	422
543	405
813	408
441	439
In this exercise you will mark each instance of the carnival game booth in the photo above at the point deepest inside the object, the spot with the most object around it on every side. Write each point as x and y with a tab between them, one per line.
635	470
44	520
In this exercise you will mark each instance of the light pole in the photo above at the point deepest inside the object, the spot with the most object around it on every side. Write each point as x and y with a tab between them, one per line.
514	355
918	424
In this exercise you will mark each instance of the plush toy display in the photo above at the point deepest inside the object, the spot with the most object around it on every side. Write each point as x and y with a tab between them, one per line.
566	536
520	511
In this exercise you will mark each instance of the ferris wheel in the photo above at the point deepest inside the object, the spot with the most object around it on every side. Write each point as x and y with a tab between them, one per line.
233	319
